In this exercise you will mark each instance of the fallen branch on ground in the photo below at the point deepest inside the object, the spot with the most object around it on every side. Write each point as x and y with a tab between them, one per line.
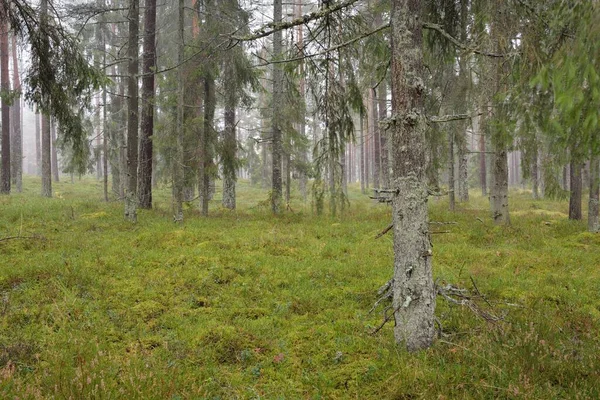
40	237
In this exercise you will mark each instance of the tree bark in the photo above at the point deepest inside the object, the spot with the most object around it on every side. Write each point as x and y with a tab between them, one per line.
593	205
38	150
16	122
451	174
5	87
413	288
376	141
230	144
54	164
178	161
576	189
46	158
499	188
147	117
132	106
383	137
362	154
276	184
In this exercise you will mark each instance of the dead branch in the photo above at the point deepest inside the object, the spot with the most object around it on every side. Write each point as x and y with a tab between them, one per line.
383	232
39	237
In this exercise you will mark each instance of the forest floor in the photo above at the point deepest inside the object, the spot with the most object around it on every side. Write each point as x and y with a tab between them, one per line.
247	305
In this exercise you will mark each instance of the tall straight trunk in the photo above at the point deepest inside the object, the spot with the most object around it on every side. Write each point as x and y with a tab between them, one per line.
147	116
593	204
376	141
178	161
413	288
576	189
38	149
46	158
535	173
368	142
5	86
463	78
204	178
276	189
499	189
132	108
54	165
451	182
230	143
362	153
383	136
16	122
482	160
105	125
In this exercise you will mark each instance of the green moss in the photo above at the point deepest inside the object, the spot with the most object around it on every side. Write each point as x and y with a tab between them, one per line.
246	305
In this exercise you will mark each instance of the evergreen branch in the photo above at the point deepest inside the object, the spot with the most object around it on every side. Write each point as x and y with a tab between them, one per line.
273	27
439	29
325	51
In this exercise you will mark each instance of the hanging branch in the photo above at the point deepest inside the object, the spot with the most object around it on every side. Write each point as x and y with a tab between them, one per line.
439	29
272	27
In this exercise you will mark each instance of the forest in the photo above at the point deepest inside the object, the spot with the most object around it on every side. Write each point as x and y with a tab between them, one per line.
223	199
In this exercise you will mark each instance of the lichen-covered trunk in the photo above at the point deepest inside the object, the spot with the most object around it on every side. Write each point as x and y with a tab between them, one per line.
147	115
132	108
593	204
5	175
576	189
413	288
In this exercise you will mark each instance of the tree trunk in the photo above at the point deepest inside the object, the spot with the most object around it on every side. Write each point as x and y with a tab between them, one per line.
499	189
463	167
205	143
132	106
38	149
16	122
535	173
147	117
451	182
105	125
178	161
376	141
54	165
46	158
413	288
482	160
362	154
576	189
5	86
276	189
593	205
230	143
383	136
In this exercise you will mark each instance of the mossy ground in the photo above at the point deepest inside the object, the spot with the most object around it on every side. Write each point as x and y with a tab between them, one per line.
247	305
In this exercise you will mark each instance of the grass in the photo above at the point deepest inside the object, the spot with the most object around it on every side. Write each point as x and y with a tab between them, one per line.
246	305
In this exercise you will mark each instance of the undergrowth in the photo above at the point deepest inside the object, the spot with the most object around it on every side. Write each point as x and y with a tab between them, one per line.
243	304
